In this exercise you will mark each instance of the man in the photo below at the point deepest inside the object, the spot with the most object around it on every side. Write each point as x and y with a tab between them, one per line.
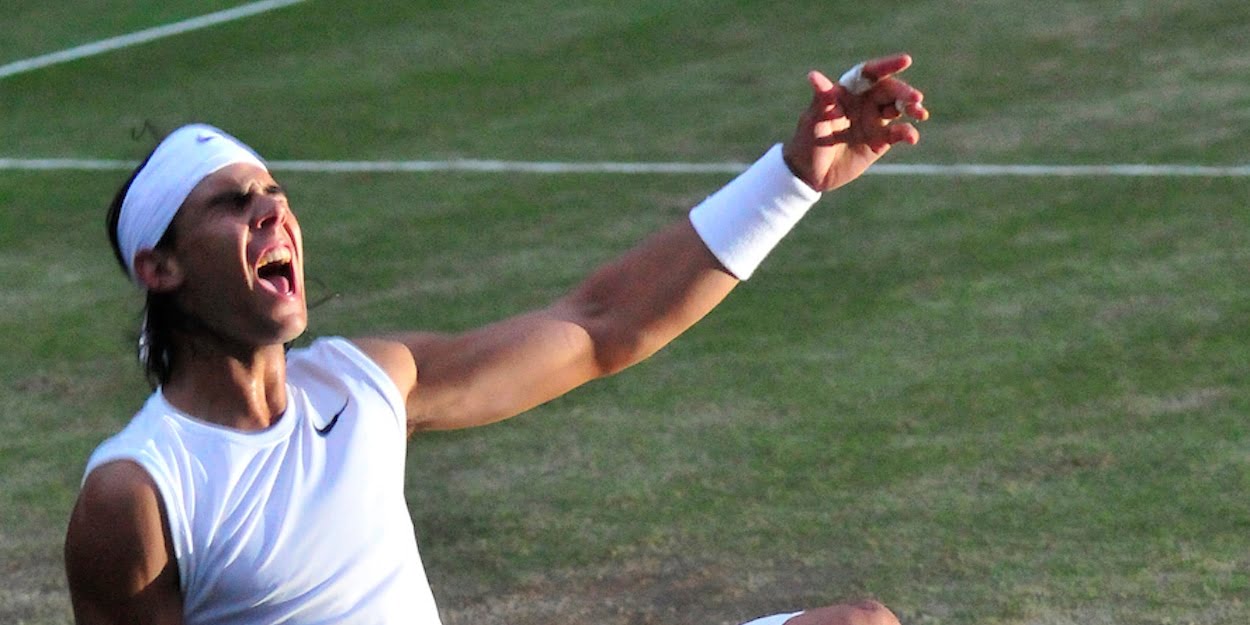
261	486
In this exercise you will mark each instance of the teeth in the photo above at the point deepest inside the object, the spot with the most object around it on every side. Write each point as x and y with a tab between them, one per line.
278	255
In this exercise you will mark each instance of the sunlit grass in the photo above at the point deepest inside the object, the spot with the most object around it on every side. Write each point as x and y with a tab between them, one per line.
978	400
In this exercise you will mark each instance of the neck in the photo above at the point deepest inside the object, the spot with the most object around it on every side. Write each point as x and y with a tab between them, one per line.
240	388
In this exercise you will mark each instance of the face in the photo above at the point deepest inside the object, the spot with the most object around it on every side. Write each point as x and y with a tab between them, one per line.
239	257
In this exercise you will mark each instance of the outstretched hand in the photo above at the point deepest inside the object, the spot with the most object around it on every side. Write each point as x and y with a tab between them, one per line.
841	133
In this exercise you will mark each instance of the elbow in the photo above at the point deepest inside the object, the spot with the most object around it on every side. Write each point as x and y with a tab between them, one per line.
613	357
618	336
618	346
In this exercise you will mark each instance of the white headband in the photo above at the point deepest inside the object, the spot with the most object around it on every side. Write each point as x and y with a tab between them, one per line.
187	156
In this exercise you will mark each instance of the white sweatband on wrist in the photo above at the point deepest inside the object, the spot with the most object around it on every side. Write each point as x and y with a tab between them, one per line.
747	218
181	161
775	619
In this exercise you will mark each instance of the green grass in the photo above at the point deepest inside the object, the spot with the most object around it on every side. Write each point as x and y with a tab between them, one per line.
1014	401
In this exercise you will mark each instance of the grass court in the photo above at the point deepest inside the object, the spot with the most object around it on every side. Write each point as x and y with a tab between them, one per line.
981	400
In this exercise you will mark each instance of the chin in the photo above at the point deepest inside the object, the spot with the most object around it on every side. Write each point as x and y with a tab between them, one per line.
294	331
286	330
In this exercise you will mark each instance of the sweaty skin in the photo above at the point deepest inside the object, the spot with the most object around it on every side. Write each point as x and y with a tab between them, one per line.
230	368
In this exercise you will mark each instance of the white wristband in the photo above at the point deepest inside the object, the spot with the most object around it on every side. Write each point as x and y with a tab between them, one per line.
748	217
776	619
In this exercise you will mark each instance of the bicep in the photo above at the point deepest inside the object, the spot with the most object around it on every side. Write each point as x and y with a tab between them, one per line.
118	556
622	313
494	372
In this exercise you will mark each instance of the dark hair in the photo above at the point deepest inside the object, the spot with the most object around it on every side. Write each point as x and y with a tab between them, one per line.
161	314
160	311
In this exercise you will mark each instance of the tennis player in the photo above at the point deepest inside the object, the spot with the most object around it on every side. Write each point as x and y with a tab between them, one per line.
259	485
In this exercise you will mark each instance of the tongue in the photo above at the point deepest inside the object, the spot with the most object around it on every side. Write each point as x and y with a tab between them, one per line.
279	283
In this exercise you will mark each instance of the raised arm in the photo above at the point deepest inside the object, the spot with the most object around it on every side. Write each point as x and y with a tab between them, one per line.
622	313
631	307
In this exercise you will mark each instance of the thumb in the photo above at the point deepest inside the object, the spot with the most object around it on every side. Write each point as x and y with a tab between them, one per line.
820	82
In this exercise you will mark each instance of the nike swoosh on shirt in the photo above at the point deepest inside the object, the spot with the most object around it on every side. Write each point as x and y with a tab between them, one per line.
333	421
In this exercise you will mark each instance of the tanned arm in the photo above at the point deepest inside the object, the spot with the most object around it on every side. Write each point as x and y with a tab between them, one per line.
633	306
623	313
118	555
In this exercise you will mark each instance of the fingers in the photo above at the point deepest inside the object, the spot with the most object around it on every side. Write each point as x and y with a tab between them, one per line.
861	78
878	141
894	96
824	97
883	67
873	79
865	107
914	109
902	133
820	82
903	99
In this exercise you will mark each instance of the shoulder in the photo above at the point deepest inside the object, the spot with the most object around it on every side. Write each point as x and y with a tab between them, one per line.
119	487
117	544
394	358
118	499
377	367
337	356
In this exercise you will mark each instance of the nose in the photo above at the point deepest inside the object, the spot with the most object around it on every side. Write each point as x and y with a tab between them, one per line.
271	211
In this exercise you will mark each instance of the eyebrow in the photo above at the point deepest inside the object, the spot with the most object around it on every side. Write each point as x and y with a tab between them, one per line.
224	197
233	194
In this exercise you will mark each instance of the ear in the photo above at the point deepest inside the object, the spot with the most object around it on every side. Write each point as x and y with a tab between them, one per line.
158	270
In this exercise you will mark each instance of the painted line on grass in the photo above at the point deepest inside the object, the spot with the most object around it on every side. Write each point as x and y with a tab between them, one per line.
557	167
142	36
1118	170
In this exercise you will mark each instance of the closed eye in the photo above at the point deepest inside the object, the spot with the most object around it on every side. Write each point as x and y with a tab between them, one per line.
238	199
230	199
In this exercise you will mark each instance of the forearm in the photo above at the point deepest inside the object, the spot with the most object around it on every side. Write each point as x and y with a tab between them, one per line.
672	280
638	303
622	313
625	311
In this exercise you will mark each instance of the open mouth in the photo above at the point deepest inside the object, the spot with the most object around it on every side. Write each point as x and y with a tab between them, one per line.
276	272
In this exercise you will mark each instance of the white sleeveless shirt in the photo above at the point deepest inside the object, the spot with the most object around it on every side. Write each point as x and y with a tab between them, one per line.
302	523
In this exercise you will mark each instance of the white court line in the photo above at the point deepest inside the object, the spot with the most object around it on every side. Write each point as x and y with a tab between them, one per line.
1117	170
556	167
143	36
